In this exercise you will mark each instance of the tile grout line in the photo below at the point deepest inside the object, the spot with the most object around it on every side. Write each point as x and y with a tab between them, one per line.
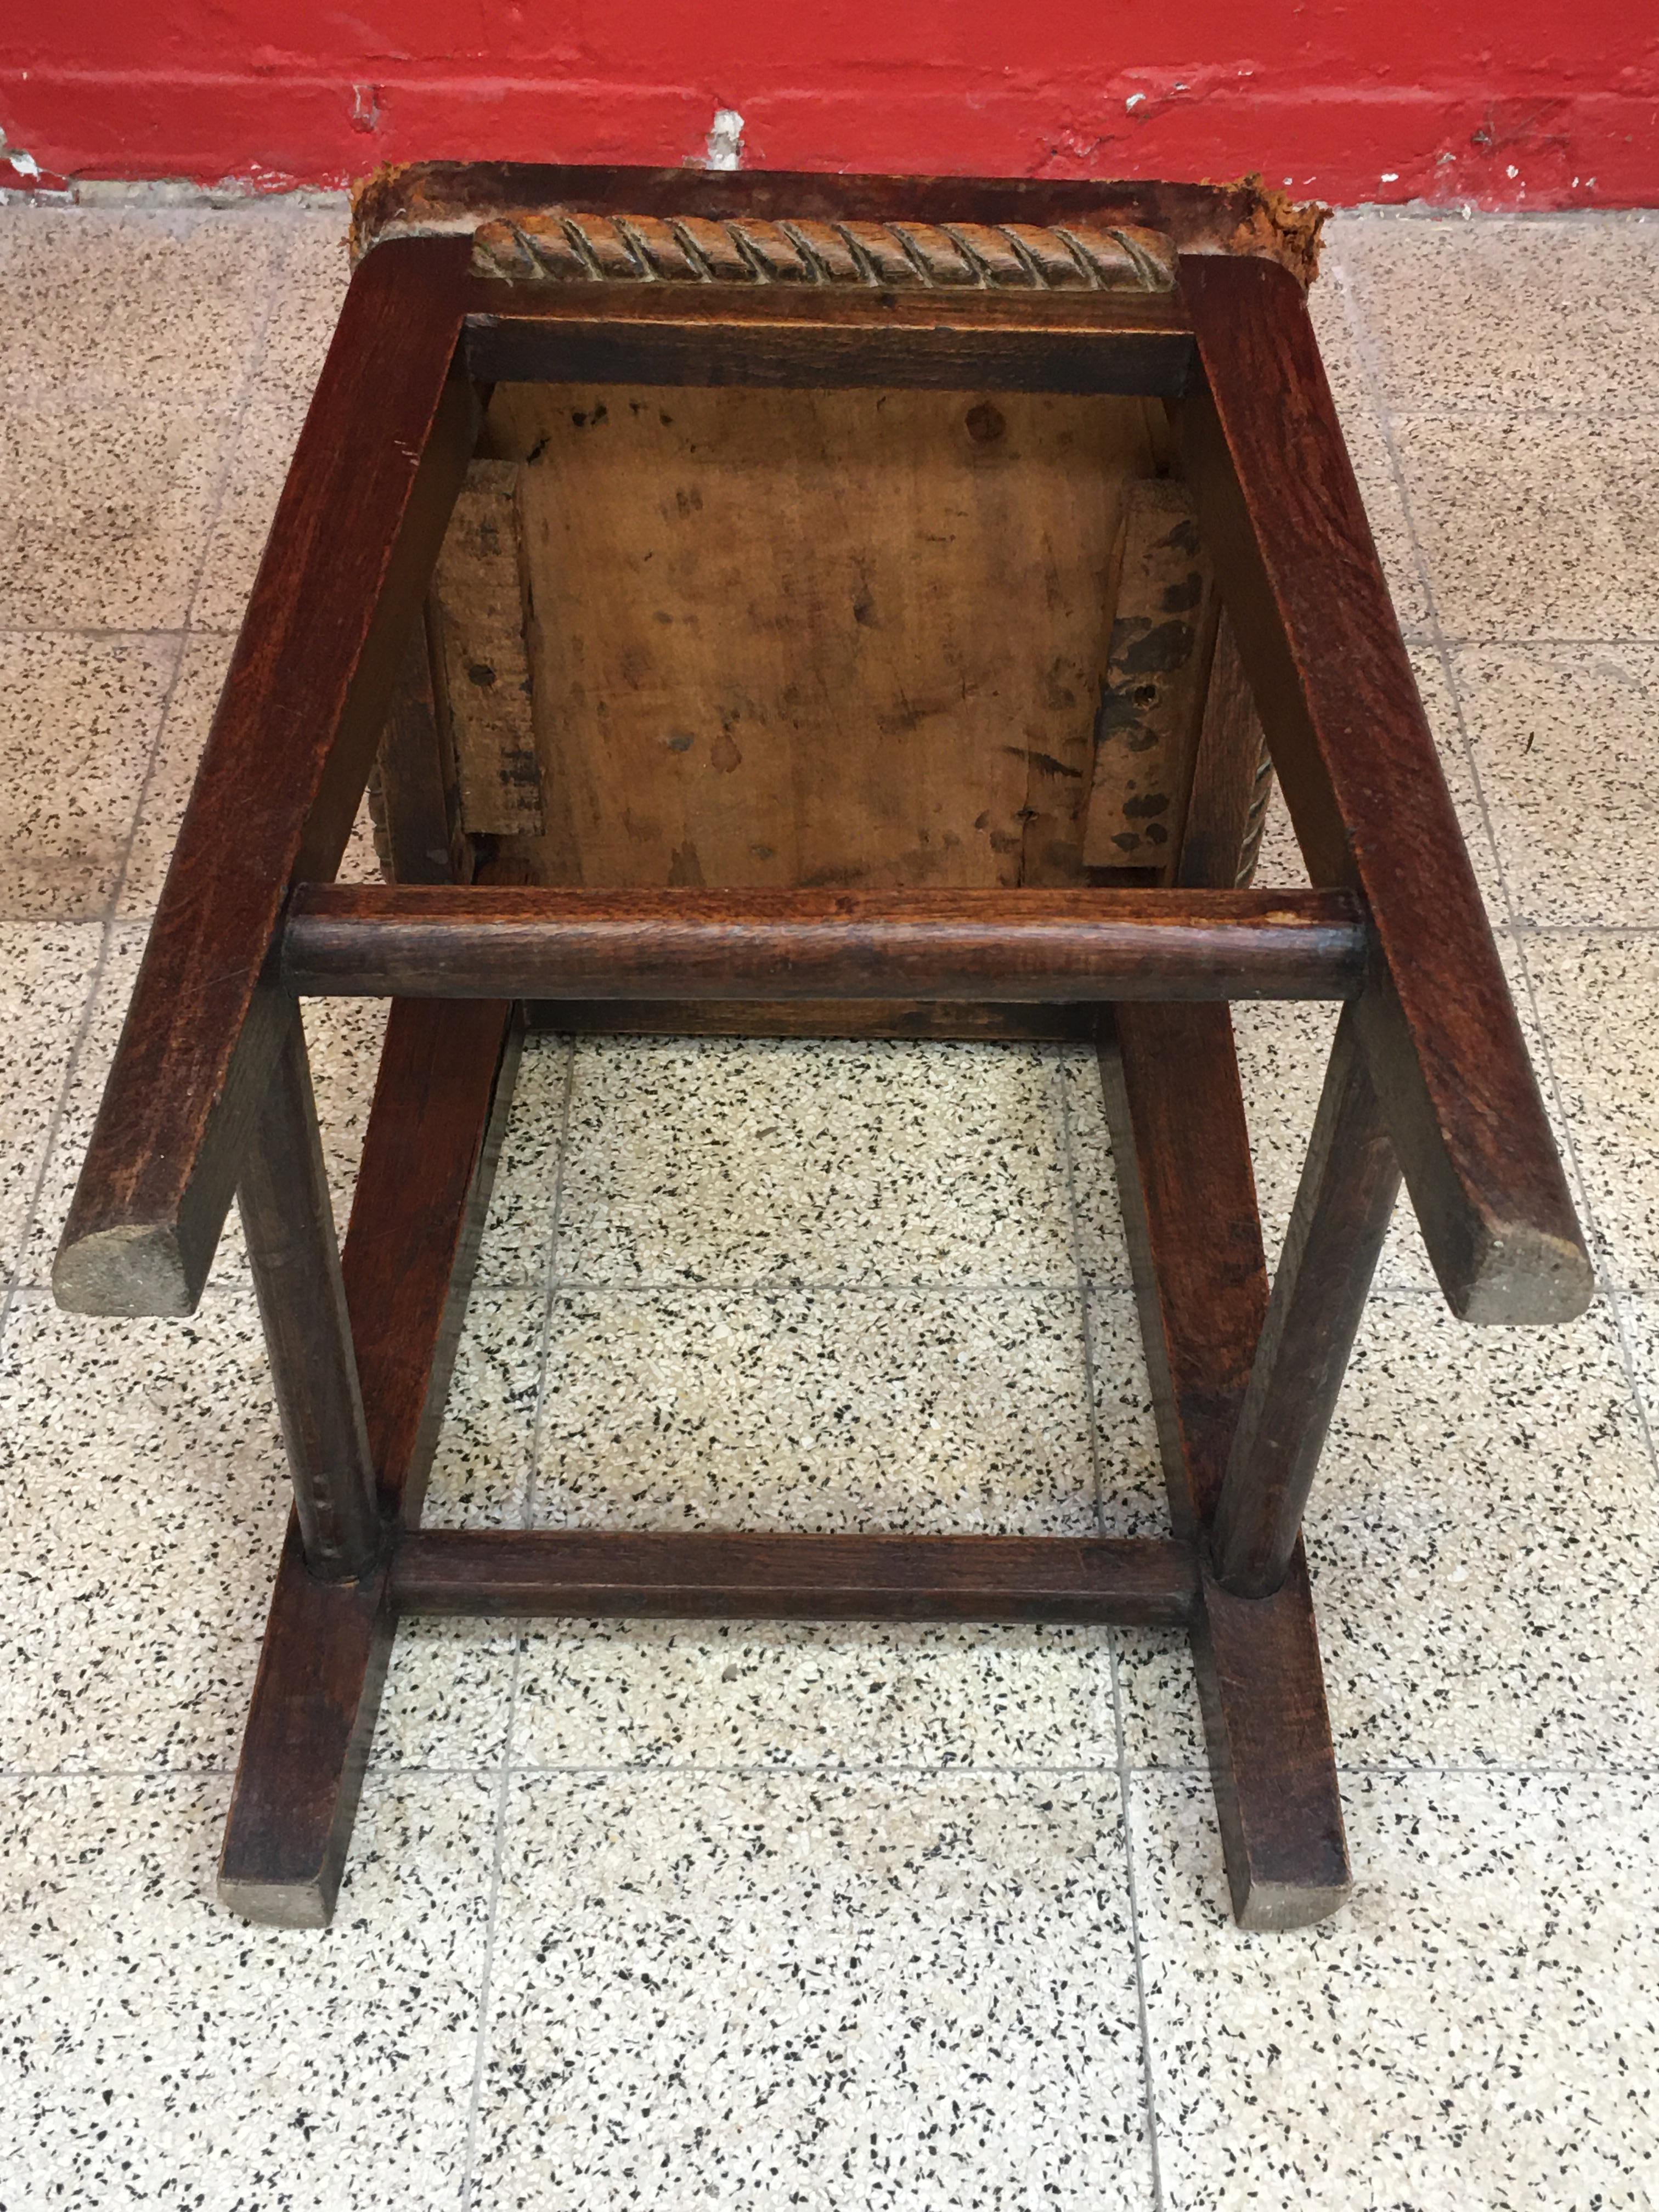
551	1287
467	2193
14	1281
385	1773
1364	347
1068	1154
1061	1102
475	2102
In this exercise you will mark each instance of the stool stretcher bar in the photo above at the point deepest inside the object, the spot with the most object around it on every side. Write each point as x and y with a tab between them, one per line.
1014	947
723	1575
209	1091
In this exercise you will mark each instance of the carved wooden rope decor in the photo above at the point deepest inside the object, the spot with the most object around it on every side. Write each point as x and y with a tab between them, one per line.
543	246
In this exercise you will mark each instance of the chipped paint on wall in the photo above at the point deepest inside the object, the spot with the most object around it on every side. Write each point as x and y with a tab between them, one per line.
1513	103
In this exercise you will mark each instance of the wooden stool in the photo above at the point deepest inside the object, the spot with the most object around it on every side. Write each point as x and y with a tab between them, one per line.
817	606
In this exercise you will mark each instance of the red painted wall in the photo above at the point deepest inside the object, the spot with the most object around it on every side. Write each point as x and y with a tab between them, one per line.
1523	103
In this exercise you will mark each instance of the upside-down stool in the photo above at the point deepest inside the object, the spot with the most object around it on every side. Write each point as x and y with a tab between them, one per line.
786	604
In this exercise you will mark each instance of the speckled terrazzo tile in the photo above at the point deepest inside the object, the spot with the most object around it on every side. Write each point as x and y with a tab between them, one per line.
1283	1048
448	1697
203	662
104	512
168	303
1562	736
143	1500
771	1990
158	2050
1373	466
202	669
807	1694
1477	2028
144	1506
816	1410
1280	865
718	1160
1345	370
1387	512
1096	1215
202	666
257	466
342	1036
1513	314
518	1236
342	1040
481	1472
46	973
1282	1051
1132	1500
1536	525
121	952
1484	1541
1596	996
78	721
449	1687
315	274
1639	1313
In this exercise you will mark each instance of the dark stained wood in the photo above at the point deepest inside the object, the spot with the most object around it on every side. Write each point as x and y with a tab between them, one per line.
415	796
1286	528
1348	1188
310	1721
289	1220
1150	703
1230	788
440	1108
1181	1151
356	532
422	1193
813	1018
721	1575
1262	1689
810	338
529	941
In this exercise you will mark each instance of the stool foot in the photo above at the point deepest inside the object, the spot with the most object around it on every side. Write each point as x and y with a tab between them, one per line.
1262	1691
309	1726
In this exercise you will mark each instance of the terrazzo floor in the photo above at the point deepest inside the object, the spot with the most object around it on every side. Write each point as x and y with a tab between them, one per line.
769	1917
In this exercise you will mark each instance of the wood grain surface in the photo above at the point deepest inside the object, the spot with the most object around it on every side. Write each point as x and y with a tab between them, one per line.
759	631
1343	1207
720	1574
1181	1152
418	1212
1286	528
356	531
480	941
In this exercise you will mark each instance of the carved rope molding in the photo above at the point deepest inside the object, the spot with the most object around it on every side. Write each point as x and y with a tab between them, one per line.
543	246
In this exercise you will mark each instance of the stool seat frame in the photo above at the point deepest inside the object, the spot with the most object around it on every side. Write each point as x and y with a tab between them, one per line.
209	1095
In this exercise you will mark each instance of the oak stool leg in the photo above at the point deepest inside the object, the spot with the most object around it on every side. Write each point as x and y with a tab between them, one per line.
1182	1155
287	1217
1343	1207
422	1191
